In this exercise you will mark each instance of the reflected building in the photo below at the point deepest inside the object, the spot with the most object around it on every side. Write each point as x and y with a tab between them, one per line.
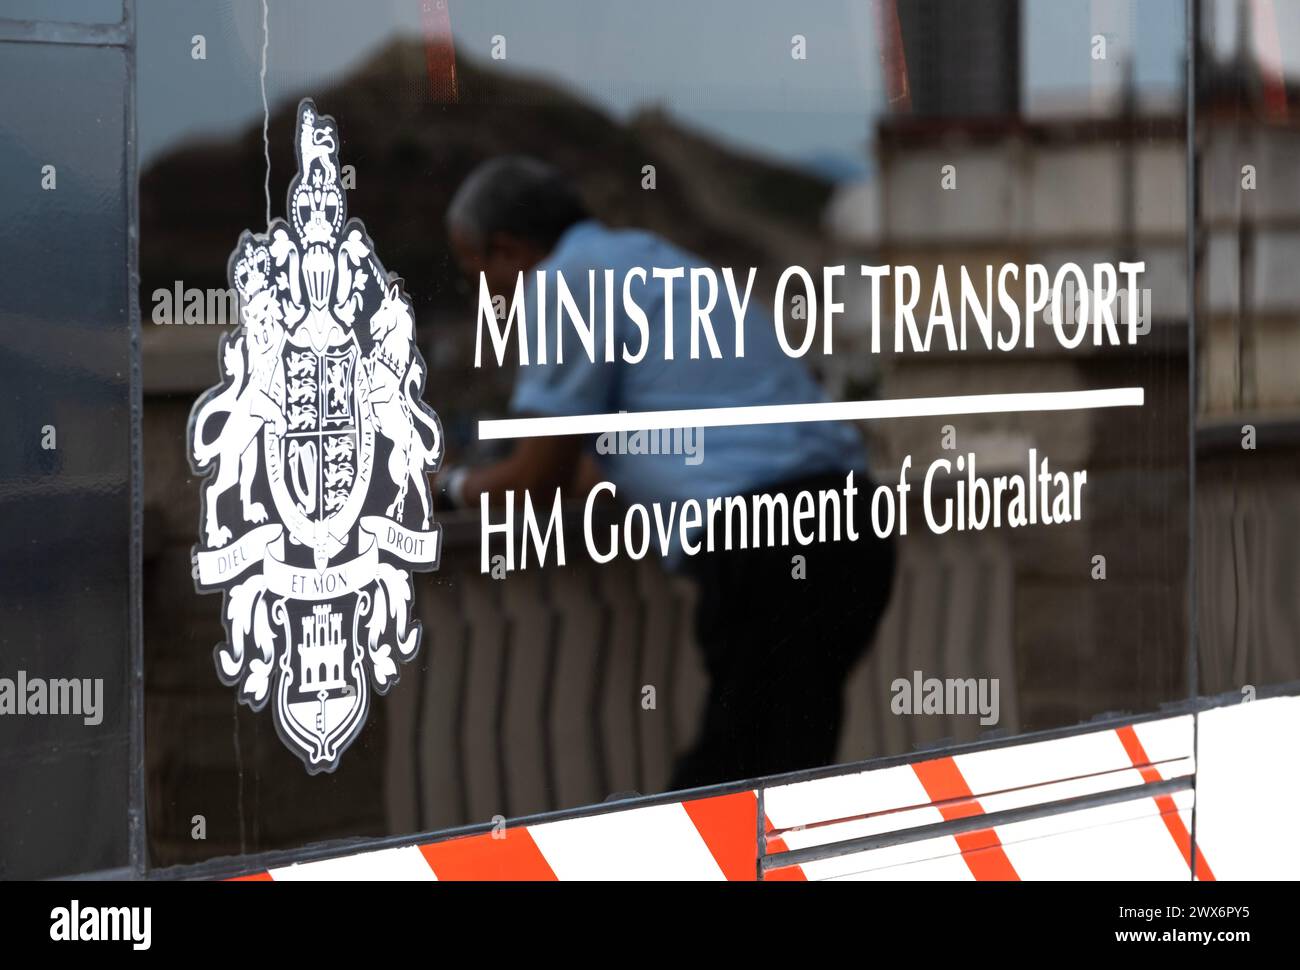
1248	356
965	178
1100	178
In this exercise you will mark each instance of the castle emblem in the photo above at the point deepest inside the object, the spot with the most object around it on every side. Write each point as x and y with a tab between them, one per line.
318	419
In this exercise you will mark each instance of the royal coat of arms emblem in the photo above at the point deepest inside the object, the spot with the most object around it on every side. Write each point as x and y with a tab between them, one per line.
319	420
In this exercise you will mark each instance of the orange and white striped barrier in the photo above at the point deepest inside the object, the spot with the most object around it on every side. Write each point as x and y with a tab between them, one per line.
1109	804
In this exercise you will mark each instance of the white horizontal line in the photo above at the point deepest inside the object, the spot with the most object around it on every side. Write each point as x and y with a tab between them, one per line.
1110	397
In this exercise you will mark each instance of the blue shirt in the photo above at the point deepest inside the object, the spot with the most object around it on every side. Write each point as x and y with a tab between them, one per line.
735	460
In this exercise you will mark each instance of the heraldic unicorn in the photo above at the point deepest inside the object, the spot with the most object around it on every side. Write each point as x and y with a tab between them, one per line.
319	421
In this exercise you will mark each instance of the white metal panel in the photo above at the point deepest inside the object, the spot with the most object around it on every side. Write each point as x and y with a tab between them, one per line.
1248	789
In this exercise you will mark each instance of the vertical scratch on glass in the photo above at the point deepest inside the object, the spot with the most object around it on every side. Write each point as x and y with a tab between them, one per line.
266	115
239	774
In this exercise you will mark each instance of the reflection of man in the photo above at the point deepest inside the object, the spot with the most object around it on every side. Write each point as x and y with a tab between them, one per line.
777	648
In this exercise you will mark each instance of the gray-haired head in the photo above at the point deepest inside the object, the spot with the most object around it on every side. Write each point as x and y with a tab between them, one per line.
518	195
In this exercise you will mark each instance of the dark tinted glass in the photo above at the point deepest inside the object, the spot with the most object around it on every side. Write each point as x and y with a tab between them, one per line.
1248	347
777	137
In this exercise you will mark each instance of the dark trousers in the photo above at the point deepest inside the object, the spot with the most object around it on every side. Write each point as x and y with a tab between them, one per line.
778	649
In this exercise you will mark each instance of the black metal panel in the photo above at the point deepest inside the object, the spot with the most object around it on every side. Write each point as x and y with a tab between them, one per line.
64	510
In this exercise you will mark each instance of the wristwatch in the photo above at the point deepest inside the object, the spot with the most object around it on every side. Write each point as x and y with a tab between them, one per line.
454	486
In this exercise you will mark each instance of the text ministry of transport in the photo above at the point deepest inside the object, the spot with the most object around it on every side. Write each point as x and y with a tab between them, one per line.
1077	306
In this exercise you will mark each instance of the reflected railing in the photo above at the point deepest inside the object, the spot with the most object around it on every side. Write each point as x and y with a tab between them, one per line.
568	686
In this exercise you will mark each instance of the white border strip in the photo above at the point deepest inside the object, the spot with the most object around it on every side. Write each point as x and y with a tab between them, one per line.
578	424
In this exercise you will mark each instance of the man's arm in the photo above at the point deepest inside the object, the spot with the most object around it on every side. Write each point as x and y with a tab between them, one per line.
538	465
